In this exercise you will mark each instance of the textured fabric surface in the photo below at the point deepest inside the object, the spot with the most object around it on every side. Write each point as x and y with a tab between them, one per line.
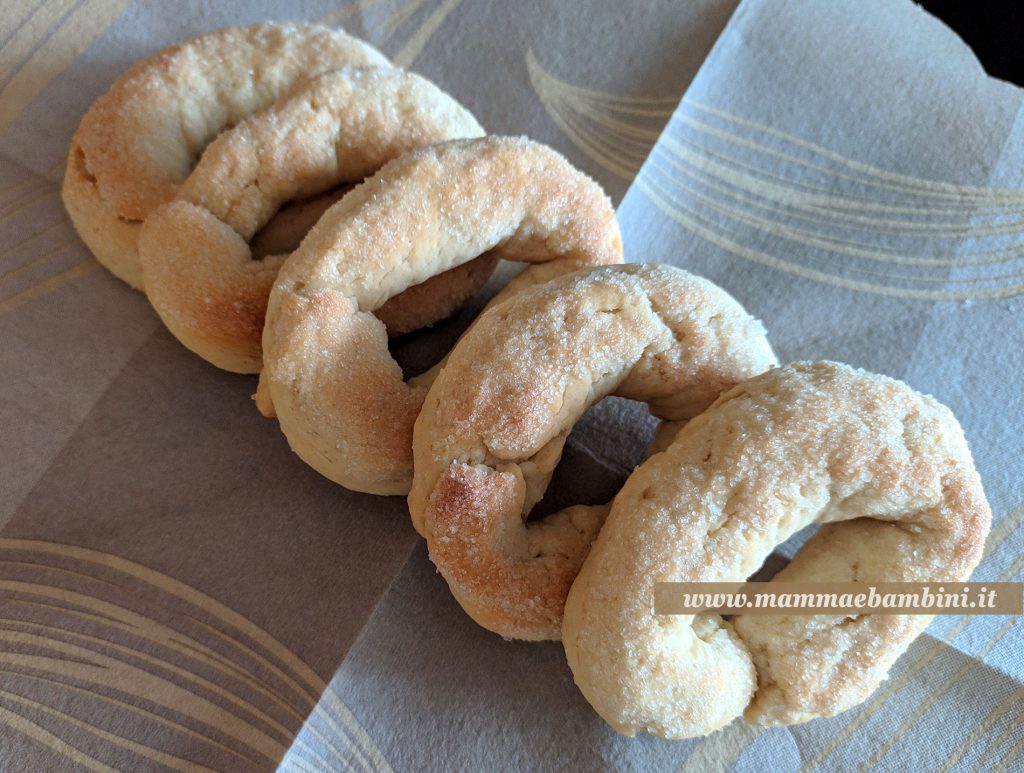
178	590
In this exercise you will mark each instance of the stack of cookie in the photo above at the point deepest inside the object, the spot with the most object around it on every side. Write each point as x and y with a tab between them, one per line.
288	200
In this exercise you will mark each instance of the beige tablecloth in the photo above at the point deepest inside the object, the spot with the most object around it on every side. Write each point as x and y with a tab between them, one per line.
177	590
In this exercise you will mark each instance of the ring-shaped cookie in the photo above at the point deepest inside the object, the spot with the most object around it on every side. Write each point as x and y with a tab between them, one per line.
888	472
140	140
339	396
339	127
495	421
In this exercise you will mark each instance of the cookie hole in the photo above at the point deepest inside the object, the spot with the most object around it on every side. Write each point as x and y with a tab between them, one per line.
289	226
602	449
420	350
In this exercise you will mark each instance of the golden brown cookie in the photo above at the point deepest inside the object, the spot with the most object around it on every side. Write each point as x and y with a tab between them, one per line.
339	396
888	472
139	141
495	421
341	126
